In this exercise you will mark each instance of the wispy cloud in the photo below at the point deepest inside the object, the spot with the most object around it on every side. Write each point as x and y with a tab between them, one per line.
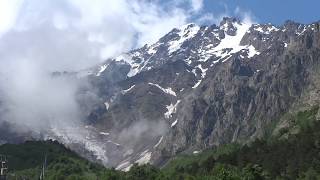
245	15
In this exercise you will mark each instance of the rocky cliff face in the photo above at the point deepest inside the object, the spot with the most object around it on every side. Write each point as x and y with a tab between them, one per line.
200	87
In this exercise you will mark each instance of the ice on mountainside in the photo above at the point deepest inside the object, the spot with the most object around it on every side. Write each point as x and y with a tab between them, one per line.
167	90
171	109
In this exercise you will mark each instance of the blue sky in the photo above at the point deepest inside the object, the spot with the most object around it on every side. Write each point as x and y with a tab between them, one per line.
265	11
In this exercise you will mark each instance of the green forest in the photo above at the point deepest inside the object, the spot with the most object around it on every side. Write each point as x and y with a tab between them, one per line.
286	155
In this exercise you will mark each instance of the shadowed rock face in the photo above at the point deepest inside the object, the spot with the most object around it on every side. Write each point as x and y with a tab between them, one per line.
200	87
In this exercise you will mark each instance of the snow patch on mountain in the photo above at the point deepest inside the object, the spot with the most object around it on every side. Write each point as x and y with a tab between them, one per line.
301	32
158	143
233	42
197	84
196	152
127	90
80	135
171	109
203	70
194	72
117	144
167	90
229	45
153	48
174	123
104	133
145	157
266	29
185	32
107	105
127	168
135	67
102	68
252	51
124	165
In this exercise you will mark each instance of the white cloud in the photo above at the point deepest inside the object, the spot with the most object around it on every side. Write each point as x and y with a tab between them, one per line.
8	13
209	18
61	32
245	15
152	22
197	5
41	36
119	25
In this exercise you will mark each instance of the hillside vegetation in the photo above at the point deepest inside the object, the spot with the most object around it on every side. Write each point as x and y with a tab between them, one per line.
297	156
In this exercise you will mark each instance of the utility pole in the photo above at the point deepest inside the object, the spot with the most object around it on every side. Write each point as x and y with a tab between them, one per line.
44	166
3	168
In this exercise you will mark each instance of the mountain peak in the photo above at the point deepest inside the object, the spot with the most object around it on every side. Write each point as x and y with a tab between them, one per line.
228	25
229	20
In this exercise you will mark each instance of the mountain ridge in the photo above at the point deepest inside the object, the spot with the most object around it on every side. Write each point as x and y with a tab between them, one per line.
198	87
245	58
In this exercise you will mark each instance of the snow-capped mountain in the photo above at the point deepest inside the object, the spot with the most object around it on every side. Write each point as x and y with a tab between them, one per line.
197	87
202	86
